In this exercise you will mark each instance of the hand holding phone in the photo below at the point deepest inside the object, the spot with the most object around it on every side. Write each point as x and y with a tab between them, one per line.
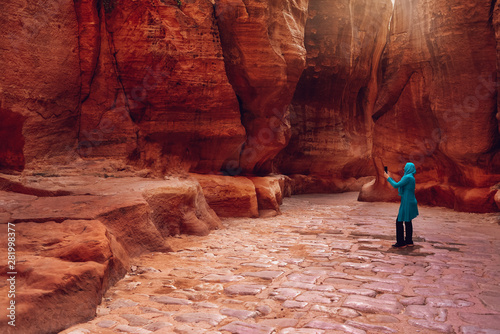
385	169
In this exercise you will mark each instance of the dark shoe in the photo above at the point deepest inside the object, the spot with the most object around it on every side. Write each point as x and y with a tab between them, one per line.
399	245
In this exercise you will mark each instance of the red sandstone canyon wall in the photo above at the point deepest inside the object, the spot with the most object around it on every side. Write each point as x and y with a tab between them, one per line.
264	52
331	108
437	104
319	90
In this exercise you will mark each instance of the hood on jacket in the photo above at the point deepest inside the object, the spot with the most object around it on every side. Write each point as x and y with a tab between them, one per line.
410	168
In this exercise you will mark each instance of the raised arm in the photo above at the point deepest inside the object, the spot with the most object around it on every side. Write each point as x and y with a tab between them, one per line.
404	181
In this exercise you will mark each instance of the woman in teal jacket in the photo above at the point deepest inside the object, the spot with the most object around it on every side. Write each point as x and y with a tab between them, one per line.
408	209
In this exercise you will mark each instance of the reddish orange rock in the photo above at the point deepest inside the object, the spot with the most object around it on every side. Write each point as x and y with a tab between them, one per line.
40	75
437	101
269	194
331	108
229	196
65	269
170	66
263	44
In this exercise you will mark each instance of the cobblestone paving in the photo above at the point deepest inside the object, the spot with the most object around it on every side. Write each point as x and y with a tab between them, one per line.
325	266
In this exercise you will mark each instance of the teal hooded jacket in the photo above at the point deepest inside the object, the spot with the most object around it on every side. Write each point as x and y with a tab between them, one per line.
406	189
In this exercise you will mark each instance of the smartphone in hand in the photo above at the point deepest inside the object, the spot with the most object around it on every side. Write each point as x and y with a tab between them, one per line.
385	169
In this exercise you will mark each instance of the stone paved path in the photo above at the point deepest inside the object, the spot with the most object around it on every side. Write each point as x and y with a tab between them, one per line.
324	266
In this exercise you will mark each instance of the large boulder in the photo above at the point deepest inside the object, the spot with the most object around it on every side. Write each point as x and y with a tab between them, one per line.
75	235
229	196
63	269
269	194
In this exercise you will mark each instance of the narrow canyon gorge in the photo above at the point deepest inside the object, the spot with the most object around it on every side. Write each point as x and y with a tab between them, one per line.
124	124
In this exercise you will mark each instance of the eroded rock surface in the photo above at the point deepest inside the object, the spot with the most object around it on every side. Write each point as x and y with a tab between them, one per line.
75	234
436	106
63	269
331	108
263	44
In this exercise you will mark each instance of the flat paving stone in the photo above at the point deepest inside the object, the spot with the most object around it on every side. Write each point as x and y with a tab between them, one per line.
308	286
265	274
361	292
338	311
367	304
239	327
333	326
478	330
450	303
301	331
426	312
285	293
356	265
432	325
120	303
106	323
135	320
490	320
314	297
279	322
383	287
370	328
244	289
296	277
294	304
170	300
222	278
240	314
131	329
210	318
419	300
155	326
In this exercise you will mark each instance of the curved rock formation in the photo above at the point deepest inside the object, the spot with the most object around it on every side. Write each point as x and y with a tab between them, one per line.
159	91
436	106
75	234
65	270
264	52
331	109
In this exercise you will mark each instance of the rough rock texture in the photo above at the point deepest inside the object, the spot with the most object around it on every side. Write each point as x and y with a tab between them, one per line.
269	194
181	209
229	196
492	86
64	269
263	45
308	184
139	81
331	109
76	233
139	212
437	103
497	198
159	84
40	76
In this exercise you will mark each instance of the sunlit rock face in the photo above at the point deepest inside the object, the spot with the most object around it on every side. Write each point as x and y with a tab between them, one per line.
332	106
437	103
263	43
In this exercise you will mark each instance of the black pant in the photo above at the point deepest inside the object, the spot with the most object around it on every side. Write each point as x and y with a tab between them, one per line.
400	233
